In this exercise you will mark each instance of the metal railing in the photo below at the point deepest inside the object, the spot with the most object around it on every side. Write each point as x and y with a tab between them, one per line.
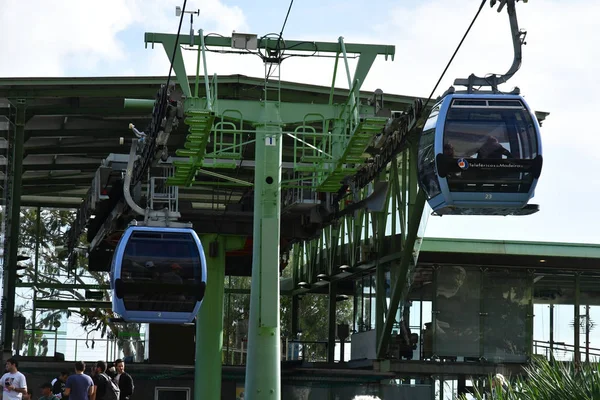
563	351
311	351
75	349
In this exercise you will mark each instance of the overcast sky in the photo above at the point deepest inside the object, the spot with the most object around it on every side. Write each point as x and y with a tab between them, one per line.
558	75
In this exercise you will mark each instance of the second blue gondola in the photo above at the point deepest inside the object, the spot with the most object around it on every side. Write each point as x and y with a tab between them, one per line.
158	275
480	154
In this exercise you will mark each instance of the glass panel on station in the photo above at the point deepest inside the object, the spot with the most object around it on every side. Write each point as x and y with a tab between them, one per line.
507	299
456	310
364	303
359	325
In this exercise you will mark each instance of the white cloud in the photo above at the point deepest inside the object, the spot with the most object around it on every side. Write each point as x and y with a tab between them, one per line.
38	37
47	39
559	73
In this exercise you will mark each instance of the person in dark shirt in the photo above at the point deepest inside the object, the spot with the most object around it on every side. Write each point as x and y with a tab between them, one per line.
123	380
104	386
492	149
99	384
58	385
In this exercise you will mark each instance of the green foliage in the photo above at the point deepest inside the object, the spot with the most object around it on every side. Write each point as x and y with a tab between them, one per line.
52	268
236	313
312	314
551	381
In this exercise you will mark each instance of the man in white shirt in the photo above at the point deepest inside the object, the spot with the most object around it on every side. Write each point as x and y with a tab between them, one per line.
13	382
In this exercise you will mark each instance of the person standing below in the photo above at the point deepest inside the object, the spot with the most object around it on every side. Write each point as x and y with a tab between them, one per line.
79	386
123	380
47	392
104	387
13	382
58	385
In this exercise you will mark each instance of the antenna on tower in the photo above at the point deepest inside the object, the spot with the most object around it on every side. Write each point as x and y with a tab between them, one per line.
178	14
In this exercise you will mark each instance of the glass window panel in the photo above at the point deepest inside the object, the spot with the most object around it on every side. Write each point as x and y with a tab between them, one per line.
506	306
456	327
541	329
373	295
367	302
426	161
564	333
479	132
491	135
358	306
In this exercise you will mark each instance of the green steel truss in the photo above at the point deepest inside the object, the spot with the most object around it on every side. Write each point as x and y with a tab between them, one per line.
388	240
329	140
329	144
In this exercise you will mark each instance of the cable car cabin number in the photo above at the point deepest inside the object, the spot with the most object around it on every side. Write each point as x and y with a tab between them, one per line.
480	154
158	275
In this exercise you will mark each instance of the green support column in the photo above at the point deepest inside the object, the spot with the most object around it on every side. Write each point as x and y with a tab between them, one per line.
178	63
209	323
263	369
295	317
38	223
10	265
577	319
551	332
416	210
332	322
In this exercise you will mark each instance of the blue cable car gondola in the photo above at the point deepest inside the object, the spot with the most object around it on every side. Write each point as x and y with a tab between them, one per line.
480	154
158	275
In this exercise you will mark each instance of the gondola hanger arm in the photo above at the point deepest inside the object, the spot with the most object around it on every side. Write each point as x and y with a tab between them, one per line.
518	39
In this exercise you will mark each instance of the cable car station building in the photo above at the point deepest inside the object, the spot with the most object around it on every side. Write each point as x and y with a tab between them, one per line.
471	308
430	316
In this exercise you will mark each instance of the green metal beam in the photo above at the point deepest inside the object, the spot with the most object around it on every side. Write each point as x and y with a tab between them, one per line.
400	286
51	202
13	229
290	112
73	286
291	45
65	304
145	88
62	286
168	43
113	133
139	104
511	247
209	330
263	369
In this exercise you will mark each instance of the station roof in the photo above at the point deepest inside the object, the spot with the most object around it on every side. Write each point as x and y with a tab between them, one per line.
536	255
75	123
556	261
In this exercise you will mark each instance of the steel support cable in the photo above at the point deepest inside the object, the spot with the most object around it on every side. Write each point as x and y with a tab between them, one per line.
158	114
455	52
176	41
222	216
280	37
400	289
397	132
